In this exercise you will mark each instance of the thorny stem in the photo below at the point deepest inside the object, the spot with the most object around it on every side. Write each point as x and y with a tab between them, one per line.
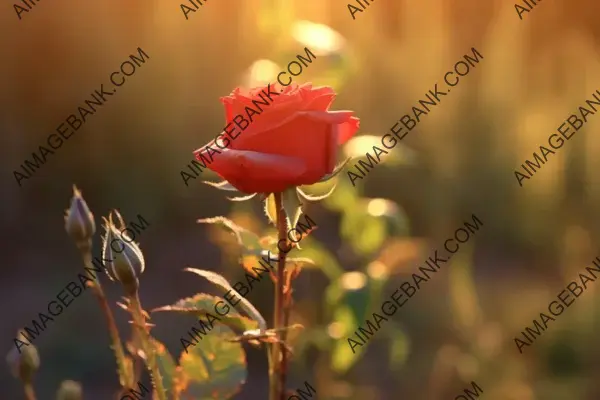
287	303
112	326
140	322
278	357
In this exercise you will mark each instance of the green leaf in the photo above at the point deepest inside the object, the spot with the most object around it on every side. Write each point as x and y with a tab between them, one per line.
166	365
244	237
214	368
292	207
244	303
202	303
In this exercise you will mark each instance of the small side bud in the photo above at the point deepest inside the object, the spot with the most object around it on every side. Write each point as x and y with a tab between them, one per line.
79	221
126	258
69	390
23	365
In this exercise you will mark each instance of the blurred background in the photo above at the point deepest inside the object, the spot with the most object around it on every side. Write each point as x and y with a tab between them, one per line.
458	161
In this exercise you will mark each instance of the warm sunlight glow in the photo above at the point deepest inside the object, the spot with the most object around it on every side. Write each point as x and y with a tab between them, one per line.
318	37
358	146
262	72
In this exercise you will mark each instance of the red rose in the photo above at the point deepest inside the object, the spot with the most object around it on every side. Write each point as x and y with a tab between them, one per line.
291	141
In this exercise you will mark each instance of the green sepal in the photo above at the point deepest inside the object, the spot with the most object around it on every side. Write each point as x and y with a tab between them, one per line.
335	171
292	207
224	185
316	198
270	209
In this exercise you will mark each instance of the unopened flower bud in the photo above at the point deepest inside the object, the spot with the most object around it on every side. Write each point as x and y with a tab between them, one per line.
79	221
69	390
23	365
126	260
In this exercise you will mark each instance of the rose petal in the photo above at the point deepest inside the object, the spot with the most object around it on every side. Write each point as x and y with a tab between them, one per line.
299	136
347	130
321	102
255	172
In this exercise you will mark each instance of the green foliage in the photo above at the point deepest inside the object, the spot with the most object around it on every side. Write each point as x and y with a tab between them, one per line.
321	258
342	356
248	241
343	198
350	308
202	303
166	366
364	232
222	283
215	368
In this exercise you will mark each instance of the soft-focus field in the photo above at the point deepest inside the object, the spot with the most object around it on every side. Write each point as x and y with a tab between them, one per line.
458	161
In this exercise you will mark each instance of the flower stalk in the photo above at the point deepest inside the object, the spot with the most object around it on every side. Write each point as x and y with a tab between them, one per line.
139	320
287	305
278	351
81	227
116	344
126	263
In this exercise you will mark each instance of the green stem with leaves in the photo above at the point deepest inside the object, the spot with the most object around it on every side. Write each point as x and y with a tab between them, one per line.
139	321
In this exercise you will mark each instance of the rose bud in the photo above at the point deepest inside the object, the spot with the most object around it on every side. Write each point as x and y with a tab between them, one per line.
23	365
124	259
69	390
79	221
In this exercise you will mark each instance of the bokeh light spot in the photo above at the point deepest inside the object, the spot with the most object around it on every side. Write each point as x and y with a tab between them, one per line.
353	280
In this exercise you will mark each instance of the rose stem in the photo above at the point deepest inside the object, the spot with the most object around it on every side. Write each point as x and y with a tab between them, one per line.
139	321
286	322
280	359
112	326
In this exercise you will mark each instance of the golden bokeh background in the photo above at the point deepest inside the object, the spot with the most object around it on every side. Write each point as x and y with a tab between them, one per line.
459	160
